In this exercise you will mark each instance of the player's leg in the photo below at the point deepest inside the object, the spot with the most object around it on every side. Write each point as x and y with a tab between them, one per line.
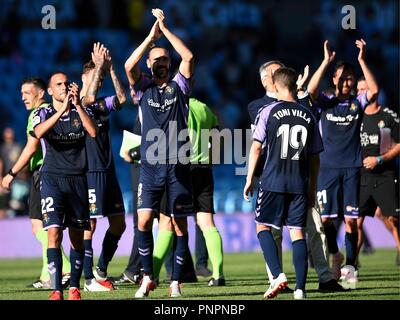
53	213
115	210
328	196
203	189
77	255
269	213
201	254
88	259
164	240
77	219
351	188
387	198
296	222
179	201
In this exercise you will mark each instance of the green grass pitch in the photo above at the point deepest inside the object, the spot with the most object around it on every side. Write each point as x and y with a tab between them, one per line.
379	279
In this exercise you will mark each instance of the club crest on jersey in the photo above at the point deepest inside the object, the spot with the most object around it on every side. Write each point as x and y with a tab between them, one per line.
45	218
92	208
169	89
101	104
76	123
381	124
353	107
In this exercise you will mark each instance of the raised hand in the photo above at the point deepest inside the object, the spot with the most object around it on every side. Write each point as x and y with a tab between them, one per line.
361	44
74	92
329	56
155	32
108	66
159	14
302	78
99	54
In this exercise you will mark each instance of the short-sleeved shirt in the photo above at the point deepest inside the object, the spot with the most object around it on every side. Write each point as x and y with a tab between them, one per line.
63	145
37	158
292	135
99	150
165	109
378	132
200	117
340	123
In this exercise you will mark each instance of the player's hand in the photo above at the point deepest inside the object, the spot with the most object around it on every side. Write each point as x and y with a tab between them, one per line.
6	182
99	54
361	44
159	14
74	90
329	55
108	66
370	163
301	80
248	189
66	103
155	32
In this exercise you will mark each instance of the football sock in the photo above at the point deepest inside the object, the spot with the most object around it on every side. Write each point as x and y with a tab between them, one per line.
55	268
41	235
77	260
146	244
300	262
330	232
110	245
215	251
162	246
351	247
66	265
179	257
270	252
88	259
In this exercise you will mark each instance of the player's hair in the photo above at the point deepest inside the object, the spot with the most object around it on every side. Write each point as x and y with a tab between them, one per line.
269	63
285	77
155	46
88	66
53	74
37	82
346	66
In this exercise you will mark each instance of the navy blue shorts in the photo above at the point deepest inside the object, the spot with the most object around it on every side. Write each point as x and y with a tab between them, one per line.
174	179
105	196
338	192
275	209
64	201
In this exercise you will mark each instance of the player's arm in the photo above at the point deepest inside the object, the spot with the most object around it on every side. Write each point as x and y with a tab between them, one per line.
131	65
98	57
87	121
301	80
372	162
26	154
40	129
255	152
315	80
187	64
373	88
312	185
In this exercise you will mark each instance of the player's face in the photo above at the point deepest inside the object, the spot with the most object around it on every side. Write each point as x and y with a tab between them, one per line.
30	95
267	77
344	81
362	87
58	88
159	63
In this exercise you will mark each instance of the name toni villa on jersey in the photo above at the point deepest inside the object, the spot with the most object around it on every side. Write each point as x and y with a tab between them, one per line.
201	309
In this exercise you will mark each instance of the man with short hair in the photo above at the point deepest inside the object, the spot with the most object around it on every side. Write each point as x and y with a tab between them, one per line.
62	127
33	92
379	182
162	102
339	177
105	196
287	185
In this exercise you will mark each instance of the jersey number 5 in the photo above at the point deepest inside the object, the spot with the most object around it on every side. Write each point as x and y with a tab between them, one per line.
295	136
